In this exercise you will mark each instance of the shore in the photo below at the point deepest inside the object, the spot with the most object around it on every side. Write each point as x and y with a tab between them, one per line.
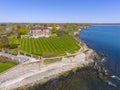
32	73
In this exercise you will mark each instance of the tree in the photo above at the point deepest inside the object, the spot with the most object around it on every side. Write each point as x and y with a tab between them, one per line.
14	44
60	32
65	31
22	31
54	30
52	25
4	40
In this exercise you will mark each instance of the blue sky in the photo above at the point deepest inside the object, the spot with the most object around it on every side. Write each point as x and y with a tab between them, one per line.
80	11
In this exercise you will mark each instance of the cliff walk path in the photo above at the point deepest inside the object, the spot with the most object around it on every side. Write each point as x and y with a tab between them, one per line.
19	58
33	71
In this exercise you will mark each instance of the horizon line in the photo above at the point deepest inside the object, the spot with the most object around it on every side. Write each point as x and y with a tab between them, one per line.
64	22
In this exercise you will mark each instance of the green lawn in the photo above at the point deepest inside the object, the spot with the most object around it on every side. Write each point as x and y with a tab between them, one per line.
49	45
5	66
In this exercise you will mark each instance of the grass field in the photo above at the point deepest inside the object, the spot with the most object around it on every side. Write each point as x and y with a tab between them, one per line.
40	46
5	66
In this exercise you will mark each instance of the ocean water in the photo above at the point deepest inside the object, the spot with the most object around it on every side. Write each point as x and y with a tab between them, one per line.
105	38
102	38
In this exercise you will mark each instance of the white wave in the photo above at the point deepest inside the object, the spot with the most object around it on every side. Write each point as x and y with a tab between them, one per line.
103	60
110	83
105	70
115	77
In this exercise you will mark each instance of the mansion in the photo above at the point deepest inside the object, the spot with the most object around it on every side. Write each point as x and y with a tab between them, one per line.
39	31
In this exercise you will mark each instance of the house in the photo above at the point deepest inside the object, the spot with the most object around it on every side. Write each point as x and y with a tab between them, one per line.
8	28
39	31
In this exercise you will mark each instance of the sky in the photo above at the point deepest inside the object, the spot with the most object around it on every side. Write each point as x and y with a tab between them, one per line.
60	11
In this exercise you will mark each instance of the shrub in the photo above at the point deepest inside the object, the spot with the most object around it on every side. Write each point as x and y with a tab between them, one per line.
3	59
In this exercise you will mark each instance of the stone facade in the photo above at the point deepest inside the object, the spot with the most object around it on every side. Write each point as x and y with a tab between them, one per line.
39	31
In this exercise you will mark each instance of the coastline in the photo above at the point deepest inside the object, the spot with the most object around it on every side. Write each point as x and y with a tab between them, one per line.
83	58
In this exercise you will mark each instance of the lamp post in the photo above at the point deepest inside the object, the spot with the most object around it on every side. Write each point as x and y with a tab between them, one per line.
3	50
39	62
18	53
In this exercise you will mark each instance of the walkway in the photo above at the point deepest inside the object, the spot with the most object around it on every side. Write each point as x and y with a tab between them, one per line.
19	58
29	73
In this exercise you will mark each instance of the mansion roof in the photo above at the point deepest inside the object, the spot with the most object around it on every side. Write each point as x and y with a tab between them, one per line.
39	28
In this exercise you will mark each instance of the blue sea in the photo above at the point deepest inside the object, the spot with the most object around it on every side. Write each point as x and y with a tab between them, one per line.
103	39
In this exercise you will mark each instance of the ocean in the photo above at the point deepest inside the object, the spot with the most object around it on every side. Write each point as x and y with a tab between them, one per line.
103	39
